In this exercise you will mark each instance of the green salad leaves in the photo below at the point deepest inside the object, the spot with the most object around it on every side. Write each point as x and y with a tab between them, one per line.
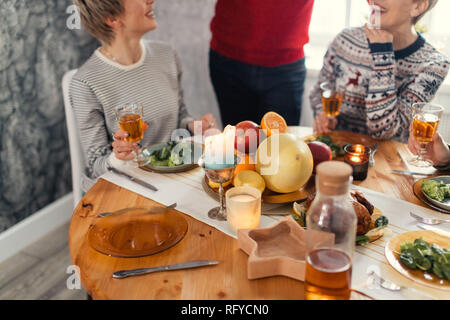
423	256
171	155
436	190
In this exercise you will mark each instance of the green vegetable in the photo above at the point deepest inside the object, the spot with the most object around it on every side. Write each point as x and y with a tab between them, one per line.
436	190
362	239
407	260
171	155
423	256
381	222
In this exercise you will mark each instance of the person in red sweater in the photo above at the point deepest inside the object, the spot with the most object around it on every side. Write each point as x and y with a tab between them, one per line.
256	58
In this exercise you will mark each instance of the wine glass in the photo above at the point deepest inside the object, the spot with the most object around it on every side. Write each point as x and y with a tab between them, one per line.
220	175
425	118
130	119
331	99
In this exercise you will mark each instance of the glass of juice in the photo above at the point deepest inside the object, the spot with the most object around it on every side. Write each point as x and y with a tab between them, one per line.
331	99
130	119
425	121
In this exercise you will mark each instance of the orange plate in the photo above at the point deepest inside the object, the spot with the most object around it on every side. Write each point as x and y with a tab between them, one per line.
425	278
268	196
136	232
417	188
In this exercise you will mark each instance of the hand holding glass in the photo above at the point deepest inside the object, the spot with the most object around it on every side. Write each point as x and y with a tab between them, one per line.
331	99
130	119
425	121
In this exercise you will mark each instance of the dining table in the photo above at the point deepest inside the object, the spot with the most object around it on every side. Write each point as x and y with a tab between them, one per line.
228	280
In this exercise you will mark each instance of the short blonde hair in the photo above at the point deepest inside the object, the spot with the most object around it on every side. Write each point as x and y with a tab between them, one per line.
431	5
94	14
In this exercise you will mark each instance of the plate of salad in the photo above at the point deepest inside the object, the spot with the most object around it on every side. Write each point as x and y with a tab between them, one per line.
437	191
172	156
422	256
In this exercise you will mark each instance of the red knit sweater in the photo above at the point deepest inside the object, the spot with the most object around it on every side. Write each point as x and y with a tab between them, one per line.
261	32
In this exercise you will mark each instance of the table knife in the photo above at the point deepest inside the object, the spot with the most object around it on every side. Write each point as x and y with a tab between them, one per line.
430	228
410	173
185	265
134	179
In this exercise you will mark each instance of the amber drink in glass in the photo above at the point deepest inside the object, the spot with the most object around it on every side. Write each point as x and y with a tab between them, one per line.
425	121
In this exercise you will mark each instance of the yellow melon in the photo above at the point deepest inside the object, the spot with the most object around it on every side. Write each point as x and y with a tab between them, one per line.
285	162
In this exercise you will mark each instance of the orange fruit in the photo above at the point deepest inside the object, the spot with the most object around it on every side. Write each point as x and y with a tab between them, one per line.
246	162
273	121
250	178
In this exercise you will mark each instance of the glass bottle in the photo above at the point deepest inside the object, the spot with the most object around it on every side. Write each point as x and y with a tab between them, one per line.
331	230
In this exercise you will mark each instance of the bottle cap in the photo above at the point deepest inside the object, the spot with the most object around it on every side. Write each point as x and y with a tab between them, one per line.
333	177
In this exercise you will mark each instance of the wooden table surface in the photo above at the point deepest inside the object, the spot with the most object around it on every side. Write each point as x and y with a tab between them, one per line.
228	280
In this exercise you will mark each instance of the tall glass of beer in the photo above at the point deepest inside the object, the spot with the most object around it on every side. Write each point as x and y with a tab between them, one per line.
130	119
331	99
425	121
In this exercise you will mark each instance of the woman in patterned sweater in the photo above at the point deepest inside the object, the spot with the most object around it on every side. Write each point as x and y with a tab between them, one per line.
382	72
125	69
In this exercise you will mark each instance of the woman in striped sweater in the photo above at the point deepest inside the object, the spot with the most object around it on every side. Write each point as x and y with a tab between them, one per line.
382	72
125	69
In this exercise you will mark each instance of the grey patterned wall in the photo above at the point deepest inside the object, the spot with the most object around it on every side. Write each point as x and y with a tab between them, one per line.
36	48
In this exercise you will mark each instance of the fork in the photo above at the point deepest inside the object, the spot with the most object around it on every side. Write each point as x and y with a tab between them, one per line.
391	286
429	221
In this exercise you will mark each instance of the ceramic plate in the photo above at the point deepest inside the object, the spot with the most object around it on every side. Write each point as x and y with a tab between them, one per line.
195	155
137	232
417	189
425	278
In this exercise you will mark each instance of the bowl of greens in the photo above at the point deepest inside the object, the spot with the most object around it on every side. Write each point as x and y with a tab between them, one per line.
172	156
437	191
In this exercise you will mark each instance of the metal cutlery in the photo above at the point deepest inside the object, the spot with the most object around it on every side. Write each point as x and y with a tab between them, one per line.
155	210
134	179
434	229
185	265
391	286
410	173
429	221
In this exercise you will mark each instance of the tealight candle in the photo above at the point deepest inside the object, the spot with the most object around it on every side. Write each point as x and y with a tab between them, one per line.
358	157
243	207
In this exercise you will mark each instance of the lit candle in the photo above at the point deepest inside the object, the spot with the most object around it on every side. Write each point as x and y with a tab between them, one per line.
219	149
358	157
243	207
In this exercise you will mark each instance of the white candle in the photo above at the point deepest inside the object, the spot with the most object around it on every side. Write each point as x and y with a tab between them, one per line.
243	207
219	149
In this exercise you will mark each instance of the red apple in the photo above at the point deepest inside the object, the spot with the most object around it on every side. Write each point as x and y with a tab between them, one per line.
320	152
247	136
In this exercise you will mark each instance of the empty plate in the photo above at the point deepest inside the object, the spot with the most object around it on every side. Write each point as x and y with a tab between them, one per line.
137	232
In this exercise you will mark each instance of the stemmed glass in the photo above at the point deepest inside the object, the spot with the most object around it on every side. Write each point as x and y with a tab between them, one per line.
218	175
425	121
331	99
130	119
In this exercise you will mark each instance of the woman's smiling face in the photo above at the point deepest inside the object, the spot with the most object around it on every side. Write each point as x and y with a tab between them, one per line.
138	17
392	14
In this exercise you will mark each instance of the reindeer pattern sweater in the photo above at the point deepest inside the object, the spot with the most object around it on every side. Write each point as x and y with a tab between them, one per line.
380	84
